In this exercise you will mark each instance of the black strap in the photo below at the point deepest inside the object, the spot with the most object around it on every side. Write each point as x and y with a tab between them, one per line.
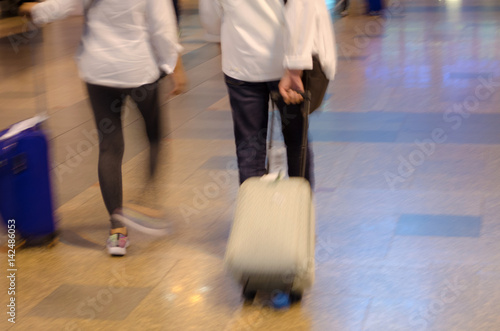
276	97
305	112
270	135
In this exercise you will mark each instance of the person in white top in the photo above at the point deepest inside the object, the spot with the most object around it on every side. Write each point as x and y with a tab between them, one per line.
125	46
263	42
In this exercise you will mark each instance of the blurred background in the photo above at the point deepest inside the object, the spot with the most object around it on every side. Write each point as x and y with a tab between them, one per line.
406	149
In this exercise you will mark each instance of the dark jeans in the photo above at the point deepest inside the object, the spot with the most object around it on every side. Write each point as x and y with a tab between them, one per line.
250	110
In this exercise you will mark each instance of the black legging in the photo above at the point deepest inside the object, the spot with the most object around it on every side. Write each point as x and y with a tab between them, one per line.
107	104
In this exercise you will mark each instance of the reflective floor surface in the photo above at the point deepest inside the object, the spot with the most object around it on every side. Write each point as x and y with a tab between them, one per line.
407	154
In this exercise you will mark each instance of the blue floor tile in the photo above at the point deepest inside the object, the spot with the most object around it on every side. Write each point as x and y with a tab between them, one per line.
434	9
353	58
355	136
439	225
202	134
200	55
469	75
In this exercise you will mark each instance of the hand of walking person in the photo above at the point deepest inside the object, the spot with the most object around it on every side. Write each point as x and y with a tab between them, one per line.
290	85
25	8
180	82
179	79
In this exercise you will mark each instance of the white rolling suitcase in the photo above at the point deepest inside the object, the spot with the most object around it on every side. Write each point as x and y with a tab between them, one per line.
272	240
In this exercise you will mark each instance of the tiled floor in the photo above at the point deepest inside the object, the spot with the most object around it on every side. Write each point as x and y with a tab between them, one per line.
406	152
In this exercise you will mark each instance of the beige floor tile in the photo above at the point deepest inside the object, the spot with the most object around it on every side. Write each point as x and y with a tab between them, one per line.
420	61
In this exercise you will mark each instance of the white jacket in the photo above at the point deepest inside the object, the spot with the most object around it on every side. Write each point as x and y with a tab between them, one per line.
125	41
260	38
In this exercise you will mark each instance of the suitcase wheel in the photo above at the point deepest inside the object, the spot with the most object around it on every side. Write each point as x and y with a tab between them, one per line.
248	294
280	300
295	296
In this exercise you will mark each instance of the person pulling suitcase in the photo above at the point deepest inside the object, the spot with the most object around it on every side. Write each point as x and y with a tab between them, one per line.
270	56
266	46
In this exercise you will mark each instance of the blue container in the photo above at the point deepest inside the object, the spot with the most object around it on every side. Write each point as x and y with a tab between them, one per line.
375	5
25	186
280	300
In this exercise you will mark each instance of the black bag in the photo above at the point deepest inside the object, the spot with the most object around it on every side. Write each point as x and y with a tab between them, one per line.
316	82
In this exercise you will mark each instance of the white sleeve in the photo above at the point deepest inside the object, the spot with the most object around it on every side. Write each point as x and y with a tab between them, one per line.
309	31
211	18
299	34
53	10
162	26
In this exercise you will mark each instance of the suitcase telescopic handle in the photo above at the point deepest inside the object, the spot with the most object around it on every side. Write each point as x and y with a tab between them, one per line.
276	97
